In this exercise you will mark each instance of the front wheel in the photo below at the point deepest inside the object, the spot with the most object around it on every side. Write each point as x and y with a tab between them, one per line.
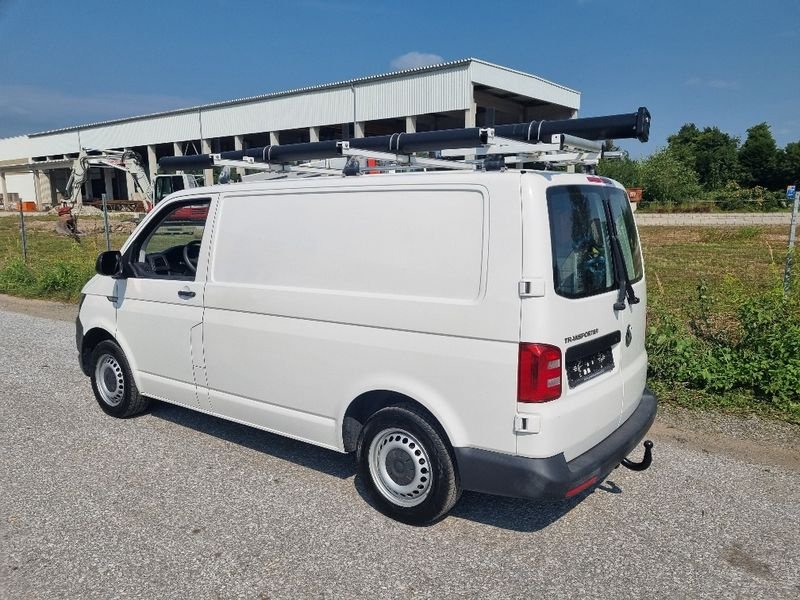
407	465
112	382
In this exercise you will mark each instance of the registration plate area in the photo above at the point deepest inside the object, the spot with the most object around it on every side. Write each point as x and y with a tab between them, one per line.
591	359
582	370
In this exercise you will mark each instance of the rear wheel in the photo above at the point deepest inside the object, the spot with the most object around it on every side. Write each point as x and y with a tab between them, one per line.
112	382
407	465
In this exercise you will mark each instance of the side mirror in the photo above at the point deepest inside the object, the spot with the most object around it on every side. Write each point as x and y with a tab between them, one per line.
109	263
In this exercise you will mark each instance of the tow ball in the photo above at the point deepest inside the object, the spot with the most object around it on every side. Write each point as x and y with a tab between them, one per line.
646	459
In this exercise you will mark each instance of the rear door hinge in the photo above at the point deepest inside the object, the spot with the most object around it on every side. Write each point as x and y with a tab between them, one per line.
531	288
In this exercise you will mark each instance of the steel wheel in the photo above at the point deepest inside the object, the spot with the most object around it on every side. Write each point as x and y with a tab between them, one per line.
400	467
110	380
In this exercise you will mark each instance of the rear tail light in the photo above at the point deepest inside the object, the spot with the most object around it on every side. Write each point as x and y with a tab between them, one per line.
539	373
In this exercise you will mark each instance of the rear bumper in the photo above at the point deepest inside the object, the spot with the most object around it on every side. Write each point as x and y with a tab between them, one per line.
553	477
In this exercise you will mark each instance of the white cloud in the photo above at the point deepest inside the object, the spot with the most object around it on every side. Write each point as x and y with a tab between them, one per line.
412	60
717	84
29	109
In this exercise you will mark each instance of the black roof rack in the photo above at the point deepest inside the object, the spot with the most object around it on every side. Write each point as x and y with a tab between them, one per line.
567	133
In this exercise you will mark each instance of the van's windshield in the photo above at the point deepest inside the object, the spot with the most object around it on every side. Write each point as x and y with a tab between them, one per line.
582	253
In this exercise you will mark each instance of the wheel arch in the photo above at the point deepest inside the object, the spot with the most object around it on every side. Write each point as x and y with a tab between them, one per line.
90	340
366	404
94	336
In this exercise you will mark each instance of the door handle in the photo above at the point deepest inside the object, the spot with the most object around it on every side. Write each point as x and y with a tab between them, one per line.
186	294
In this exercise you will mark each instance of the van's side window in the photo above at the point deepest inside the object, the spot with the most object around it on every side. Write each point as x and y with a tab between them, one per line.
171	247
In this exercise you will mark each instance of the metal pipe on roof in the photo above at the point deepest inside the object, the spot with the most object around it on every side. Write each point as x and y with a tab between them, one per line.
618	127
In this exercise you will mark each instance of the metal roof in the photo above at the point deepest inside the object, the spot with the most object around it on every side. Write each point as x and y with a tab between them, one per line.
301	90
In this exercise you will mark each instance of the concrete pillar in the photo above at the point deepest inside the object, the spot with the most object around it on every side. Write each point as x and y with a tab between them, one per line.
45	196
130	184
274	138
35	188
88	184
208	174
358	129
4	191
238	144
152	162
411	124
177	150
470	114
313	134
108	176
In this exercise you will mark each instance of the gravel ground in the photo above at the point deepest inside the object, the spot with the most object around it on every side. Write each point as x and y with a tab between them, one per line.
178	504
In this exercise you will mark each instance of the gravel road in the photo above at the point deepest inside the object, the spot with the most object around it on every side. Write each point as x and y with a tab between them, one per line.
178	504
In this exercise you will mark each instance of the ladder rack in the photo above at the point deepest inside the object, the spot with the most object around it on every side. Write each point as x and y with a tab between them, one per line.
554	143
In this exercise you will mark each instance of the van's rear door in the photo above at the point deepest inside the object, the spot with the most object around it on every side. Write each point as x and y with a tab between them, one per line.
633	359
603	355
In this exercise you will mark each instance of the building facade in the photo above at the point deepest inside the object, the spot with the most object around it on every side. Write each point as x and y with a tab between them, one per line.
463	93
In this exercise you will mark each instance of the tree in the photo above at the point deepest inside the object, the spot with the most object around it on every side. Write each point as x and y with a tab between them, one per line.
716	158
665	178
624	170
789	164
711	153
758	157
683	144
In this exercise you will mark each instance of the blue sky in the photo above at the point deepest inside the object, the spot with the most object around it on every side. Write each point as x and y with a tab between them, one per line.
728	63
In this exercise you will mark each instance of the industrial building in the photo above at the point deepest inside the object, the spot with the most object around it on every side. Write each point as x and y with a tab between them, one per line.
462	93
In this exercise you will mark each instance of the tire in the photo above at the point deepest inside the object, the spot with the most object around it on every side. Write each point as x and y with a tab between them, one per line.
113	384
407	466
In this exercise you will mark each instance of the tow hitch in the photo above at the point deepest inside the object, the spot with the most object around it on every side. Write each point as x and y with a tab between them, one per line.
646	459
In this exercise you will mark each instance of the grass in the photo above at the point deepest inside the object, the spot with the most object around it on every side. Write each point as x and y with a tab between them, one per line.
731	261
678	258
57	265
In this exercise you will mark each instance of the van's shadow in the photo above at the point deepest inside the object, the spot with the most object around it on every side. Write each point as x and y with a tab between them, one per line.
506	513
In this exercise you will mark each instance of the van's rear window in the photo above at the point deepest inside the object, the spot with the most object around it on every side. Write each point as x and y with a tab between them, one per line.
582	255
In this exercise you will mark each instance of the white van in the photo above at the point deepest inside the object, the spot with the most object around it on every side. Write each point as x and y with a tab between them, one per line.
456	330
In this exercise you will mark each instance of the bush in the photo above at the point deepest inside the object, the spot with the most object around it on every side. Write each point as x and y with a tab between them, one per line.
755	347
666	179
770	347
735	197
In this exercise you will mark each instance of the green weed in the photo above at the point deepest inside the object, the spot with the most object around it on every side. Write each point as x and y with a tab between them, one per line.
752	350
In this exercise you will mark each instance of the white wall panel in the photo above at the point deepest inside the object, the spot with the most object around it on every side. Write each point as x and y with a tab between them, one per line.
427	92
326	107
15	148
22	184
524	84
52	144
140	132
